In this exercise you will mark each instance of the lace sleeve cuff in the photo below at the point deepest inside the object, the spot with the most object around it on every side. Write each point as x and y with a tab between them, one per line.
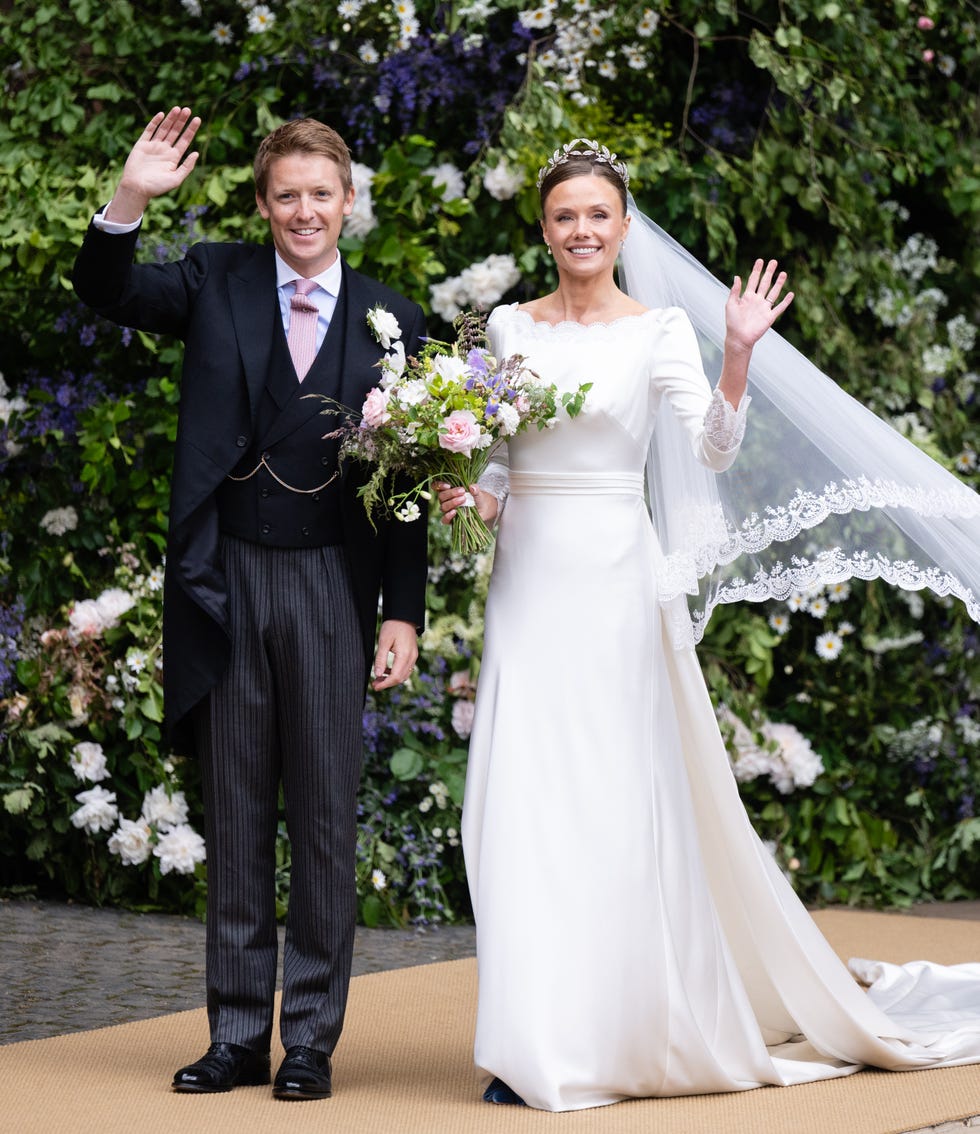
496	481
724	427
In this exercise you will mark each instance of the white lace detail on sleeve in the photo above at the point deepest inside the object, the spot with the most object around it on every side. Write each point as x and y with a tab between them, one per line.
724	427
496	481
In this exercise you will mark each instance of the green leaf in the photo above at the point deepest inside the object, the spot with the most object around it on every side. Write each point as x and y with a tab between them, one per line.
406	764
372	910
18	801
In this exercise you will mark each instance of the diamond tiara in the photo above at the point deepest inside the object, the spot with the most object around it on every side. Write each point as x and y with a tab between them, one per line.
592	150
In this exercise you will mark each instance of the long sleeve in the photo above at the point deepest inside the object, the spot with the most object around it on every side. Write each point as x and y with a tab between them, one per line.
496	478
714	429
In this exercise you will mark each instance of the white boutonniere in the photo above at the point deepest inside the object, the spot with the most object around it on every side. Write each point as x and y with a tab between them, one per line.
384	326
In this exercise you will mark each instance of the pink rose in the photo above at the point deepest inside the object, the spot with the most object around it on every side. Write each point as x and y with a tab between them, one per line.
928	55
375	408
462	433
923	23
460	683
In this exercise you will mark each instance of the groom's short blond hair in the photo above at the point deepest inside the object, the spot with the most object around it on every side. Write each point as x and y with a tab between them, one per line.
301	136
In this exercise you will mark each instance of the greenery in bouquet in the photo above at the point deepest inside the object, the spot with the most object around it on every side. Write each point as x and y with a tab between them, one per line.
441	415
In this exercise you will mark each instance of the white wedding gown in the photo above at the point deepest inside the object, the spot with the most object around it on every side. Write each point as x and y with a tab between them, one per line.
634	936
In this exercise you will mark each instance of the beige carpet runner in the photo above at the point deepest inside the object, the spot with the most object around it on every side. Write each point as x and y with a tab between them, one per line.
404	1066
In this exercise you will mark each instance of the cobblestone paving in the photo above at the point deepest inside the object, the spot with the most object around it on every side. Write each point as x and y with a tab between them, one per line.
65	968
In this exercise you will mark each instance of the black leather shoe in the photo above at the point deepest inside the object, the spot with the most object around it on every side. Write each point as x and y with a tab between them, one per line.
304	1074
499	1092
221	1067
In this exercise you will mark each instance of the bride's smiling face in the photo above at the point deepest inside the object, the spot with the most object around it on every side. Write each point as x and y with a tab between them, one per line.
585	226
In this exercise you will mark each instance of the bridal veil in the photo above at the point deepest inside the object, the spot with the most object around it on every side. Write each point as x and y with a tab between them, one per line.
823	489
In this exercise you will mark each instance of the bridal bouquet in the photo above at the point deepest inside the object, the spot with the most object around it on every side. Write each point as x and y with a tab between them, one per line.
441	415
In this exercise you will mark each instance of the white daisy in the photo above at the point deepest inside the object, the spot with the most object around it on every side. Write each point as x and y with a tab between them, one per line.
829	646
260	19
818	607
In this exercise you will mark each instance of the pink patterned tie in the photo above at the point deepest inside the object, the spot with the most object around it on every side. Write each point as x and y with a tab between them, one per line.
302	327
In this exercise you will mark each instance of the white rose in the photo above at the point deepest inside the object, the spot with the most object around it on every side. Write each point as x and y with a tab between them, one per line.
98	811
88	761
446	298
502	182
447	177
800	764
752	763
361	219
180	849
385	326
85	619
393	364
463	718
509	419
413	393
451	368
485	282
131	841
113	604
163	809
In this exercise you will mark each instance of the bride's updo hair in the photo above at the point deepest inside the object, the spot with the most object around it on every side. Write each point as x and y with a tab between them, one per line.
583	158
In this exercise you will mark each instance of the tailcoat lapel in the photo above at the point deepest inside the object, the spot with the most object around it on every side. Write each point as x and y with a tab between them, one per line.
363	353
252	296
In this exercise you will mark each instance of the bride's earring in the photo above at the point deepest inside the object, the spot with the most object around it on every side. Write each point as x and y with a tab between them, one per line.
548	246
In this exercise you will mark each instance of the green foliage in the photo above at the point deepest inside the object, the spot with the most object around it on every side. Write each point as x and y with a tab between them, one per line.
891	819
840	139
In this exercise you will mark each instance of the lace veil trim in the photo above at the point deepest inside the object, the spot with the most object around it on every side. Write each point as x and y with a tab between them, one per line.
822	490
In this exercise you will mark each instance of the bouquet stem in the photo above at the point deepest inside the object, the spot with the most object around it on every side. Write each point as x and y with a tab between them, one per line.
469	534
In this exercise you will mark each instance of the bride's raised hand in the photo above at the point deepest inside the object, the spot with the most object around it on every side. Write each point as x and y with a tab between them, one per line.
750	313
452	499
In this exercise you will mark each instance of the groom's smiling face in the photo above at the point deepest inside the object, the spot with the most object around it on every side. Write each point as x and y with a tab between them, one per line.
305	203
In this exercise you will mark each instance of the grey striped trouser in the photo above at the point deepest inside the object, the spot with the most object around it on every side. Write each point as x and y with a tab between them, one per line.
286	712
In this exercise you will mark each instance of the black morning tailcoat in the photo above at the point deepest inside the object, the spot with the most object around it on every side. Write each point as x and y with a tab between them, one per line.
221	301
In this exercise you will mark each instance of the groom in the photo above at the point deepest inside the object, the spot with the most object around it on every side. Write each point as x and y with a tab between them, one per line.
273	575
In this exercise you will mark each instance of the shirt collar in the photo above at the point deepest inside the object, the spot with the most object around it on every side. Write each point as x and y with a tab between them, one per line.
329	280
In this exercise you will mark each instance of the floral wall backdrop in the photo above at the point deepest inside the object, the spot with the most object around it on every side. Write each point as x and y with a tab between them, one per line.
840	139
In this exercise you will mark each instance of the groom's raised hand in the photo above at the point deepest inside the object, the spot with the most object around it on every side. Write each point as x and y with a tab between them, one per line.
157	164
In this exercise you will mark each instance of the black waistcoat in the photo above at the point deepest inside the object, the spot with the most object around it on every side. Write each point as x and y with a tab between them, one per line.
290	450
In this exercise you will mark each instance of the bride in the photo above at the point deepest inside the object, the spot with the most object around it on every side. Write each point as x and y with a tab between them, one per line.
634	936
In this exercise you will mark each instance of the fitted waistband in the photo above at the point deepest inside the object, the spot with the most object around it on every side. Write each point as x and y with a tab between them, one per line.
576	484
